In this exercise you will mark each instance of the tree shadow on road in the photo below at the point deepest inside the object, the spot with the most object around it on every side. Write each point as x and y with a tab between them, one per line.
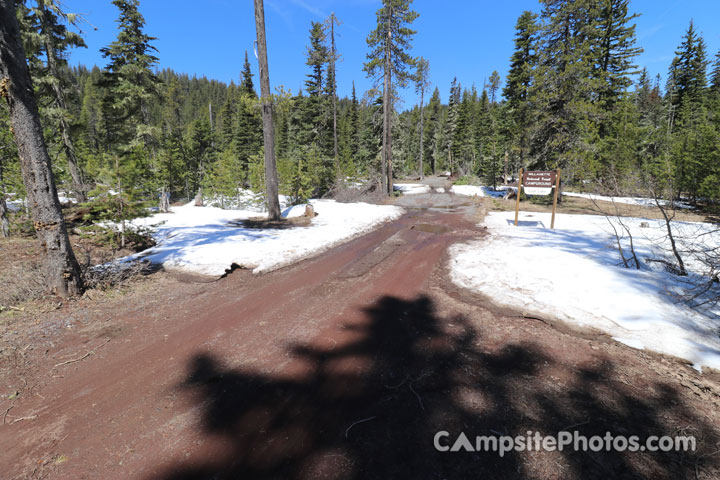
369	408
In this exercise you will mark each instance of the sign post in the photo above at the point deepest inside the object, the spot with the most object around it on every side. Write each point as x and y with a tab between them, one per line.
517	197
538	183
555	197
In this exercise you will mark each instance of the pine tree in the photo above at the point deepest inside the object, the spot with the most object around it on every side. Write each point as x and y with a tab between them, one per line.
54	39
519	80
433	124
200	152
248	132
331	83
493	85
689	116
452	122
523	60
130	79
715	74
564	88
228	115
246	84
354	124
130	86
422	84
317	56
389	59
614	50
688	70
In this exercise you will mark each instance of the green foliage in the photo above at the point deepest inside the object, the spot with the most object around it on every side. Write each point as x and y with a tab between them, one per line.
468	180
392	34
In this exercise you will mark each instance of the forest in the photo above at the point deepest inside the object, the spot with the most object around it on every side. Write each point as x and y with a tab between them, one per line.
123	135
236	279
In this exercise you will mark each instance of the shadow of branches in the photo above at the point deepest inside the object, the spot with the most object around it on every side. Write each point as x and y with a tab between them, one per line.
369	407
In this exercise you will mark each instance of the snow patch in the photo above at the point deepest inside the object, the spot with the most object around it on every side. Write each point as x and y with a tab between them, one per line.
478	190
208	240
574	273
638	201
412	188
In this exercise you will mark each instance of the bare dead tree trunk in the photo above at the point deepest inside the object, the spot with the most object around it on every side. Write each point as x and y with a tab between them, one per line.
16	87
333	59
505	170
671	237
271	180
422	129
212	127
387	182
76	172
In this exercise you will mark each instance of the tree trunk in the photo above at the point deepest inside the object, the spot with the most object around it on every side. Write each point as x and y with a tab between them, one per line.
63	271
73	164
505	170
4	223
271	180
387	143
422	135
212	127
334	94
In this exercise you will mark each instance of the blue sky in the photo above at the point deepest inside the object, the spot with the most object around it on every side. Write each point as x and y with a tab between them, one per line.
467	39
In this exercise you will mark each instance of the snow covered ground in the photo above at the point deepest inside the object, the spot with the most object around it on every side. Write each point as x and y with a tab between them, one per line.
412	188
639	201
478	190
574	273
14	205
208	240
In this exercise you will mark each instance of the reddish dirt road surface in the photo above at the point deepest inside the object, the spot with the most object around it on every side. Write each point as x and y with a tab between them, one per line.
344	367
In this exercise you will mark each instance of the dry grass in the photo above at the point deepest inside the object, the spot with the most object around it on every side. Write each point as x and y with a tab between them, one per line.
23	272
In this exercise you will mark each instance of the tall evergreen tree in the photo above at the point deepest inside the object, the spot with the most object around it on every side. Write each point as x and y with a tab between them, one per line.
422	84
389	60
451	126
331	83
519	80
564	88
522	61
688	70
131	86
130	79
493	85
614	50
246	82
55	39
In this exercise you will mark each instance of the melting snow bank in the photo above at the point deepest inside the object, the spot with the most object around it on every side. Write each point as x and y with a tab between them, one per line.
208	240
412	188
639	201
573	274
479	190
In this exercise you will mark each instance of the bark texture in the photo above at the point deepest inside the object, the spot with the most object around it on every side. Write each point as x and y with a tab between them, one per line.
271	180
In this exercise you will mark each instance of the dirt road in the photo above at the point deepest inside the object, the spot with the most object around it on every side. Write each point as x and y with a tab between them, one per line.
344	367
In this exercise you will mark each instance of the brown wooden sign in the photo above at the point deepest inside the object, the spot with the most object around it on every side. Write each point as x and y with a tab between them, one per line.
540	179
538	183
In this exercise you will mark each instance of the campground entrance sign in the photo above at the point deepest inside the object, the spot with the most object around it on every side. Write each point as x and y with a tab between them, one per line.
539	182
